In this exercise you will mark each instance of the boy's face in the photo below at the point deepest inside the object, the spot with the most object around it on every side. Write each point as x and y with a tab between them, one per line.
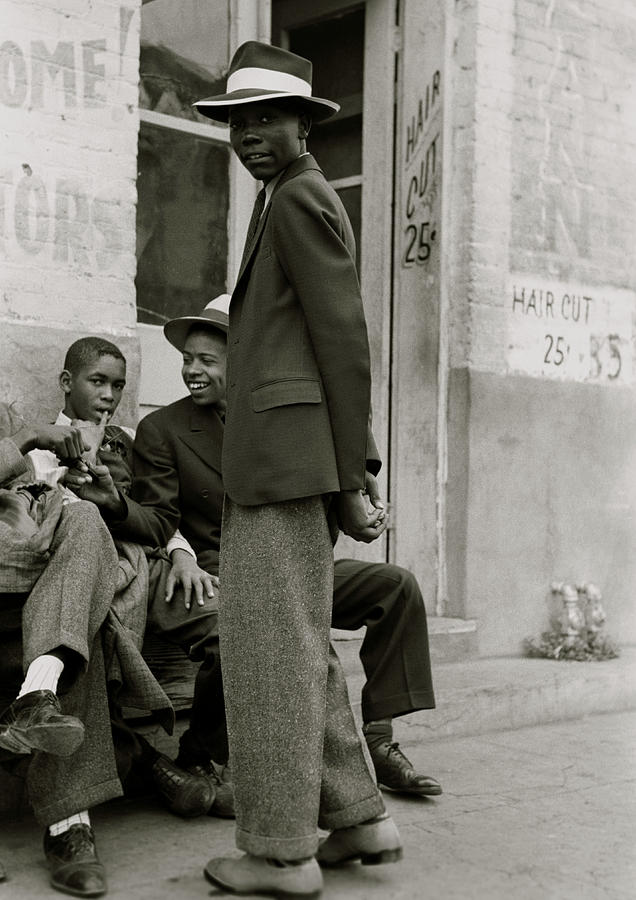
203	369
267	138
94	389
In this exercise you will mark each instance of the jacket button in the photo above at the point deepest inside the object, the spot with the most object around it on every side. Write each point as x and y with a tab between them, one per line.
204	493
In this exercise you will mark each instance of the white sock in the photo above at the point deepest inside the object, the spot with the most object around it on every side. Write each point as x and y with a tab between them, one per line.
80	818
42	675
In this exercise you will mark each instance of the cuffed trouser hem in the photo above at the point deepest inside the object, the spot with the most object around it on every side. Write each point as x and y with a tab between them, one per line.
352	815
397	705
46	644
307	845
48	813
277	848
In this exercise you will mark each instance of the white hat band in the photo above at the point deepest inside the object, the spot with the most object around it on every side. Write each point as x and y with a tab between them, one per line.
267	80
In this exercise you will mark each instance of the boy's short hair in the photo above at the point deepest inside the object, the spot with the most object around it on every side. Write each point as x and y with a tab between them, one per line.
86	350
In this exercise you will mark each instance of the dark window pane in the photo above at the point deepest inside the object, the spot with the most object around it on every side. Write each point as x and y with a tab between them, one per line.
182	207
336	48
337	147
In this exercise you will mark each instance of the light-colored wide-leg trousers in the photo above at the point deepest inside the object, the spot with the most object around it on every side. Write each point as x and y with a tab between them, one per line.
298	761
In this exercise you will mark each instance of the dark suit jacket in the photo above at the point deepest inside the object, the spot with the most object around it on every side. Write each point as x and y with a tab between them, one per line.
298	377
177	483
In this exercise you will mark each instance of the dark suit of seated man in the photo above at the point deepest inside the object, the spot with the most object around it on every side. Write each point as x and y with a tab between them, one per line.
178	484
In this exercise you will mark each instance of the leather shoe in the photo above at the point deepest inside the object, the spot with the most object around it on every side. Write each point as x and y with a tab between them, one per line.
35	722
395	772
256	875
184	794
223	805
373	842
73	863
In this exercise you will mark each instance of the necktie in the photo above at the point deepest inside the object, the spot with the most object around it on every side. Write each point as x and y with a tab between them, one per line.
257	212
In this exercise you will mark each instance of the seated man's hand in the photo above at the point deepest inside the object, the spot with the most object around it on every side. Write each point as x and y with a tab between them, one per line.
65	441
95	485
187	574
356	520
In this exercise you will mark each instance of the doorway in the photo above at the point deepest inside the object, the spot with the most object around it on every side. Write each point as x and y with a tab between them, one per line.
351	47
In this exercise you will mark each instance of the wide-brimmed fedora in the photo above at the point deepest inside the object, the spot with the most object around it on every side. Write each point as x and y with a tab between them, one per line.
214	317
261	72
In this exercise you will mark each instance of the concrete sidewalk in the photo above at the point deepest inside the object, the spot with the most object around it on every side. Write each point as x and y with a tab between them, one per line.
540	813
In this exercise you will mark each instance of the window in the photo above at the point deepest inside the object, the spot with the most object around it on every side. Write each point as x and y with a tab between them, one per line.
183	160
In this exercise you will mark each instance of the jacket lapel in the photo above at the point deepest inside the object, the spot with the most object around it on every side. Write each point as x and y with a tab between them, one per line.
299	165
205	435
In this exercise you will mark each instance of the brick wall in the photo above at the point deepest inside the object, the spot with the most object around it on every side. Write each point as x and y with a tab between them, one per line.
552	178
68	145
541	480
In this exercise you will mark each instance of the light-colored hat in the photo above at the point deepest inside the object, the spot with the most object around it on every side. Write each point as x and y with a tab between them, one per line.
214	317
261	72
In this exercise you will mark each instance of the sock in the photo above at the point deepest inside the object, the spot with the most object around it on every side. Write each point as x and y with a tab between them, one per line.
42	675
80	818
377	732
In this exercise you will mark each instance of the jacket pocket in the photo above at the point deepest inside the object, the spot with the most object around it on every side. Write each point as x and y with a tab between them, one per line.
285	392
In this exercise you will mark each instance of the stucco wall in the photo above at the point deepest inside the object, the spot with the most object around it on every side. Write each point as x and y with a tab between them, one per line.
68	144
543	296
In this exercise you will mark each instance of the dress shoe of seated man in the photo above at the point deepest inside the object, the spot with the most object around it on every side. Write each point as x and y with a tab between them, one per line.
34	721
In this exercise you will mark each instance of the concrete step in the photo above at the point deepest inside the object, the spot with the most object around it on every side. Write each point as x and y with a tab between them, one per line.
478	696
450	640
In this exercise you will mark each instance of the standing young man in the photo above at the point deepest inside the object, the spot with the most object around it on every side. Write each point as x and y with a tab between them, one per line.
296	449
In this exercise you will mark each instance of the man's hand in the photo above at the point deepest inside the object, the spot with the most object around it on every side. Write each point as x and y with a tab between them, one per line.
65	441
372	491
185	572
96	486
355	519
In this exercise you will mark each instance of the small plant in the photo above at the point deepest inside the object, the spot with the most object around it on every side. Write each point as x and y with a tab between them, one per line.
577	629
589	645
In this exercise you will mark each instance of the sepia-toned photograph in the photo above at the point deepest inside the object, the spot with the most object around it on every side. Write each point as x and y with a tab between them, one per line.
318	449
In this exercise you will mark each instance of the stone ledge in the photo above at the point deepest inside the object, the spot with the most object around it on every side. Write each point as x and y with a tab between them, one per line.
450	640
478	696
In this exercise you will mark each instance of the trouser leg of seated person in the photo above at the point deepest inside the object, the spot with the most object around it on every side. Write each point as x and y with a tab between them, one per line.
395	655
192	785
60	618
196	631
289	719
395	651
62	790
60	787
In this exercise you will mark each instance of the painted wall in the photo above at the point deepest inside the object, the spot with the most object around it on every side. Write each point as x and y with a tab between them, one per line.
541	467
414	539
68	151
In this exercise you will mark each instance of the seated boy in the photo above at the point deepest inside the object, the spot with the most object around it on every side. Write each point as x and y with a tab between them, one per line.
93	380
57	577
